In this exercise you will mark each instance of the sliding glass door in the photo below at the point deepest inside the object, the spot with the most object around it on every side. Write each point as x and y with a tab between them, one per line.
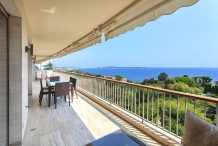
3	79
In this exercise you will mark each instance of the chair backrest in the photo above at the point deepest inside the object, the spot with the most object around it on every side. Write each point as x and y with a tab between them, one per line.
41	84
74	83
62	89
54	78
71	79
46	82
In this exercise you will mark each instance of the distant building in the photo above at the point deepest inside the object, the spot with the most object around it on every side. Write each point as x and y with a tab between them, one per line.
109	77
113	78
124	80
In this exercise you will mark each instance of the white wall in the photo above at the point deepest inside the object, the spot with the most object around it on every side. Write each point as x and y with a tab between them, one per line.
25	42
24	77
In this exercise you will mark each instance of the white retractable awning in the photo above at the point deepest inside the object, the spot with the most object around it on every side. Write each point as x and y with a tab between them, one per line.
61	27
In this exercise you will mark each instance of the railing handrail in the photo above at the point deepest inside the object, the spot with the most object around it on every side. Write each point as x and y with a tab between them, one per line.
200	97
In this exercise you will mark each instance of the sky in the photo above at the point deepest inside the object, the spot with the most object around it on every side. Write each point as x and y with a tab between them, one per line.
186	38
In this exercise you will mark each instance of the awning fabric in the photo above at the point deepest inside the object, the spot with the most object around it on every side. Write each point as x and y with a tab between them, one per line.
58	28
147	11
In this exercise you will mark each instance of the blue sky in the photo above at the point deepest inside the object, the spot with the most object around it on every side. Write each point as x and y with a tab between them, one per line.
186	38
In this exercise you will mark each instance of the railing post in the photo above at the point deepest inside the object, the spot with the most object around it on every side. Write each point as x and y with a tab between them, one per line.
177	116
107	86
98	87
170	114
132	100
121	95
143	108
158	94
128	97
147	104
135	99
139	100
217	114
152	106
163	109
105	90
93	89
114	94
205	110
125	95
110	94
194	106
115	90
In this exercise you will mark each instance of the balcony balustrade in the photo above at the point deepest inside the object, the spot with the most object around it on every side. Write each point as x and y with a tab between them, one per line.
160	107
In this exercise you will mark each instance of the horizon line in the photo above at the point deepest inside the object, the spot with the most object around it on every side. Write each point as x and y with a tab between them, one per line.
134	67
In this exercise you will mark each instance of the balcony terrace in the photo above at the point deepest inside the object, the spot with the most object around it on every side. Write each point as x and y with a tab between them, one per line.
105	106
32	32
80	124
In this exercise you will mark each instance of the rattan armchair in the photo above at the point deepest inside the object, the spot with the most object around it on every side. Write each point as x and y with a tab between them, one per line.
61	89
73	87
54	78
44	91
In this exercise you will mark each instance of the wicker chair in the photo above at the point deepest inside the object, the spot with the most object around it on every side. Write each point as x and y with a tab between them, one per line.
71	87
74	86
44	91
62	89
73	81
54	78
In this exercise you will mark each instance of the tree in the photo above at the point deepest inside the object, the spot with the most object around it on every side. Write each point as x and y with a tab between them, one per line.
179	86
205	80
182	87
99	75
216	89
149	81
48	66
137	82
207	88
186	80
211	111
216	82
162	76
118	77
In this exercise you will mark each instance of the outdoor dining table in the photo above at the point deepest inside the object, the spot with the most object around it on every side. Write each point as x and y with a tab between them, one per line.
52	85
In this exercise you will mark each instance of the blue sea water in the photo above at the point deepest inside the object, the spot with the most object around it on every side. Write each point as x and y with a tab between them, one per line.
141	73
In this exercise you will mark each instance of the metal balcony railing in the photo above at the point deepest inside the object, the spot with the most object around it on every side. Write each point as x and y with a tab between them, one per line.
161	107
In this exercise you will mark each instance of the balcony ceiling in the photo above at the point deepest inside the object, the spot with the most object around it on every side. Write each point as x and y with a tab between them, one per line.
59	27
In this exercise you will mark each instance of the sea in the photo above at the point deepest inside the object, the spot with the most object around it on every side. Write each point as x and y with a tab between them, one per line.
140	73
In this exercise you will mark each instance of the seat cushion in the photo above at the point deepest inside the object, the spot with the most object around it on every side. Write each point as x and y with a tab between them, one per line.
198	132
47	91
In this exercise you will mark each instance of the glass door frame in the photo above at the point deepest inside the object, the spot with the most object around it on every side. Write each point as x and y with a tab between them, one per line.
7	70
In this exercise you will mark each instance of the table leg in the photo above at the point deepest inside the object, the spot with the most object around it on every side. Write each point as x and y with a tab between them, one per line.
49	96
72	92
